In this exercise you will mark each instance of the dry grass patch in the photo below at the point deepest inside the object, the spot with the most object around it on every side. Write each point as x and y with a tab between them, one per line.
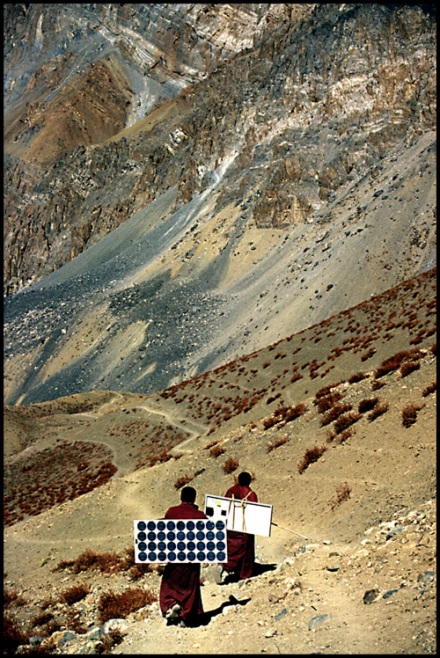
343	492
311	456
277	443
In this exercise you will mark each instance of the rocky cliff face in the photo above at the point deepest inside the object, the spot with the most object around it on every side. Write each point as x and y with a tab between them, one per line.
215	174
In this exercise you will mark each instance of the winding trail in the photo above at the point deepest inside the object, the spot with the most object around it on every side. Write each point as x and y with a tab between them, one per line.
197	431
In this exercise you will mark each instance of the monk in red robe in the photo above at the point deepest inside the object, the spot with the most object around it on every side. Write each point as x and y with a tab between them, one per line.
241	545
180	596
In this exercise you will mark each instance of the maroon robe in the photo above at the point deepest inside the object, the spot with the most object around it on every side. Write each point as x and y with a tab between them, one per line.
241	545
181	582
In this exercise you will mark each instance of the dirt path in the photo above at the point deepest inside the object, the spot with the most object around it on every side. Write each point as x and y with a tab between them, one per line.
197	430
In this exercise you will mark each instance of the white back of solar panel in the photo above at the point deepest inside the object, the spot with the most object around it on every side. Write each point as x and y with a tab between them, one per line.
241	516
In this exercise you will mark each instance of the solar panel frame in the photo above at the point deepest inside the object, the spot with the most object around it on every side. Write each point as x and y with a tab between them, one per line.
180	541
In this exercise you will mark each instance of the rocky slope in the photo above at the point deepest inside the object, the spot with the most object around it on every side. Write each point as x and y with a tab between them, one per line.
185	184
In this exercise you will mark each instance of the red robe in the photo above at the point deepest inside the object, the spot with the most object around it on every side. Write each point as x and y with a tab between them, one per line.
181	582
241	545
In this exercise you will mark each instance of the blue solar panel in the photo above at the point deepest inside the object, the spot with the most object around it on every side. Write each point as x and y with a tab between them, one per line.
180	541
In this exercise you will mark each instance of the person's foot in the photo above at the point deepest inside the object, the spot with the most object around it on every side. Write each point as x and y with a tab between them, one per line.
173	612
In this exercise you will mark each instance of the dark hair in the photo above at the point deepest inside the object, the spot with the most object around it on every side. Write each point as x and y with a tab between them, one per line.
244	479
188	495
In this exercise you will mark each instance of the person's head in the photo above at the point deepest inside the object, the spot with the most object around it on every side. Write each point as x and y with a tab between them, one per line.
244	479
188	495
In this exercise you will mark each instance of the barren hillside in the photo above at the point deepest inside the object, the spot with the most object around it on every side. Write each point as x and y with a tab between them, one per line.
337	423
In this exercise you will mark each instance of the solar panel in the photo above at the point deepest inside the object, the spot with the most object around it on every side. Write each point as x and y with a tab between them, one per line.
180	540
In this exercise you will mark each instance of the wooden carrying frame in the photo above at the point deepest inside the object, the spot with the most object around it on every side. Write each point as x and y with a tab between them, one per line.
240	515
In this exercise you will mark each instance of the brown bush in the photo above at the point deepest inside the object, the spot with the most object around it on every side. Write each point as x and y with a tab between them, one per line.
117	606
367	404
230	465
138	571
311	455
184	479
217	450
75	593
394	362
409	366
343	436
378	411
325	403
10	597
357	377
277	443
431	388
291	413
42	619
89	560
13	636
162	457
342	493
334	413
409	414
368	354
322	392
345	421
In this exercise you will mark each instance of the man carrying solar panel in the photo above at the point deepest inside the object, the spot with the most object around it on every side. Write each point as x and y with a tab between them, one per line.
241	545
180	595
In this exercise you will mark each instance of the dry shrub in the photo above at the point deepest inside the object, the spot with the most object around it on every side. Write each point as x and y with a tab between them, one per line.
118	606
342	493
409	414
334	413
230	465
343	436
375	385
357	377
277	443
325	403
270	422
378	411
43	618
184	479
217	450
345	421
311	455
10	598
291	413
75	594
164	456
138	571
322	392
409	366
368	354
431	388
13	636
394	362
91	561
367	404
